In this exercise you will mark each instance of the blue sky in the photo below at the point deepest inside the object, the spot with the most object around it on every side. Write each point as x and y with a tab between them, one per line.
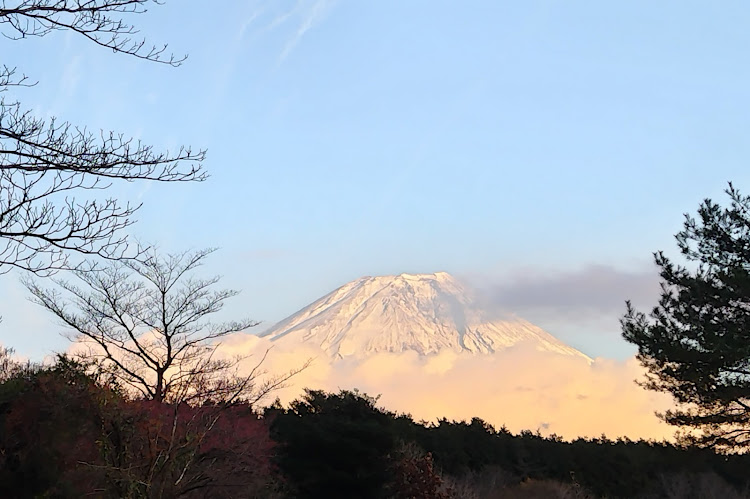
529	146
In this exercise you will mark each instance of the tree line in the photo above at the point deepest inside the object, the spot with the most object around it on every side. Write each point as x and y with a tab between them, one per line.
67	430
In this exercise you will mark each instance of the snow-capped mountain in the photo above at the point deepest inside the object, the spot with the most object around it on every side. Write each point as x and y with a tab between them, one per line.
427	313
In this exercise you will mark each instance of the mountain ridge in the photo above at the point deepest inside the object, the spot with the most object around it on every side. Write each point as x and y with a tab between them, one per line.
426	313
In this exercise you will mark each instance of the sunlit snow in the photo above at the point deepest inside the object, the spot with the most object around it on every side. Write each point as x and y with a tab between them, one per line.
425	313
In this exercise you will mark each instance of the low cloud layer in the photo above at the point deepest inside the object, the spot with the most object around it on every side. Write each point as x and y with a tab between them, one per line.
520	388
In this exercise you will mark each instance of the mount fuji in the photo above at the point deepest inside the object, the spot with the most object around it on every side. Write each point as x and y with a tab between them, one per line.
426	313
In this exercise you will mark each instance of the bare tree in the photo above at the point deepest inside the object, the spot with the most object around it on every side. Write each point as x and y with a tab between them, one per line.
147	322
46	167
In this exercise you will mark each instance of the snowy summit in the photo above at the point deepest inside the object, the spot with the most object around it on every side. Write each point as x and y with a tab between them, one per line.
426	313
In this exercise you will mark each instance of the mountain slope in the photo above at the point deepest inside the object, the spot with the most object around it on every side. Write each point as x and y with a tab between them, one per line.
426	313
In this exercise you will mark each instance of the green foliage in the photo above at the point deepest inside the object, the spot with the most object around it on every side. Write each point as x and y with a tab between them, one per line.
696	342
607	468
342	445
65	432
334	445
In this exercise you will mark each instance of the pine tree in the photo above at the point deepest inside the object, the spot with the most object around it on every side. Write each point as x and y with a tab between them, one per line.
696	342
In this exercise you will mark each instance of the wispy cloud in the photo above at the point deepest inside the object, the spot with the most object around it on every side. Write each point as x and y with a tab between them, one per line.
67	87
70	78
249	20
311	15
293	22
284	16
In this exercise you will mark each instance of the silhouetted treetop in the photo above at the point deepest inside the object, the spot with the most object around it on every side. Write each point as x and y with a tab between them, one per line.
696	342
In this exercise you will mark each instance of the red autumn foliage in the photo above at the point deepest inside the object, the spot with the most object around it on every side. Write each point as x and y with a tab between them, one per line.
178	449
49	424
415	477
64	434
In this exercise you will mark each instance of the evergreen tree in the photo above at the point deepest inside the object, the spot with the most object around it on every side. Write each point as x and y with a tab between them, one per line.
334	445
696	342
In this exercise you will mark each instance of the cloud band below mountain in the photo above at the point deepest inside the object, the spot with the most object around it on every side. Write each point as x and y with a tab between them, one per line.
519	388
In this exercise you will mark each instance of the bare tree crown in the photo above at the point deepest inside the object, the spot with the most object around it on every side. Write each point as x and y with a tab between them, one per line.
51	172
148	322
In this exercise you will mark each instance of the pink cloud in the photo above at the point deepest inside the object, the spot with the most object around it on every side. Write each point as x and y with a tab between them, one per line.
519	388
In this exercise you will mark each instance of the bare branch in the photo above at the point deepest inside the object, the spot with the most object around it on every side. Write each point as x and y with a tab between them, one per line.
51	172
42	170
147	321
100	21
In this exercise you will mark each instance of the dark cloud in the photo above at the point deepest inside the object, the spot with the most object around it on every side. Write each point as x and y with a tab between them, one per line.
591	293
